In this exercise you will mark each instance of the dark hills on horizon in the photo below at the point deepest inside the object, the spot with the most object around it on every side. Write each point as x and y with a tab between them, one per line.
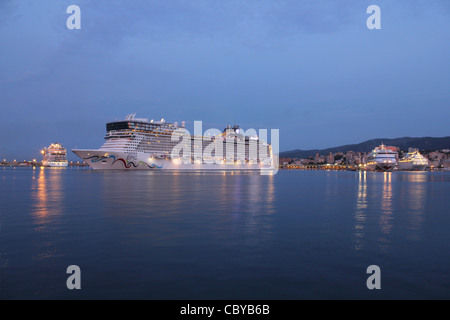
423	144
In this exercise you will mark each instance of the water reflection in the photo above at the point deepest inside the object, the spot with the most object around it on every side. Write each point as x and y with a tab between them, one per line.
260	190
387	197
258	200
205	235
331	192
414	191
360	212
47	202
218	203
386	218
47	195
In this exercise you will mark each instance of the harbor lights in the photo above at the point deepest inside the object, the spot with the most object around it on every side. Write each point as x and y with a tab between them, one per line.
175	161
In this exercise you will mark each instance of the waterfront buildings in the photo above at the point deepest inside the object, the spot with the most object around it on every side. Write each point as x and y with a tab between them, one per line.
435	159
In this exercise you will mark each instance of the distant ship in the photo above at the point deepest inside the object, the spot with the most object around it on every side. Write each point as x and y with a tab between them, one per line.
382	158
136	143
55	156
413	161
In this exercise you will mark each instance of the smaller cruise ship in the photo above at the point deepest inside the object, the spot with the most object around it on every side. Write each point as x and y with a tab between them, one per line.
54	156
382	158
413	161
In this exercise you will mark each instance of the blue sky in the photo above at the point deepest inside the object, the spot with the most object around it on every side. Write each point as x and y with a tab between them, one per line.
311	69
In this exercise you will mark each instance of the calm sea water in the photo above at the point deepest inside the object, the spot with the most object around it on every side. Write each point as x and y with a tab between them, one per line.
158	235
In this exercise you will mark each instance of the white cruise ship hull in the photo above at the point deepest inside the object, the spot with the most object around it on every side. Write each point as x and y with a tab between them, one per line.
383	159
411	166
413	162
381	165
54	164
116	160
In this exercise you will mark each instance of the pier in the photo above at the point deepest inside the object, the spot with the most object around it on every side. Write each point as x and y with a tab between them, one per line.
35	163
327	167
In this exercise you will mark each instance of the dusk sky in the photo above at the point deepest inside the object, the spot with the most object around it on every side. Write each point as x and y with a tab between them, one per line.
311	69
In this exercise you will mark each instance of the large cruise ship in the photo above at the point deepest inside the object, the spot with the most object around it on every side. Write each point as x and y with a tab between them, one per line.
54	156
136	143
413	161
382	158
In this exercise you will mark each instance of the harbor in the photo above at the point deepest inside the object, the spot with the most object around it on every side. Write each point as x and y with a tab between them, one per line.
55	155
334	167
412	160
382	158
229	155
35	163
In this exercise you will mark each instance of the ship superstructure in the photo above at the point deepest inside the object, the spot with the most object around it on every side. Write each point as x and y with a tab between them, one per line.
54	155
382	158
413	161
137	143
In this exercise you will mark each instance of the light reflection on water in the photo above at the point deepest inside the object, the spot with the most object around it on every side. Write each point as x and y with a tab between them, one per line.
360	214
386	202
213	202
223	235
402	207
47	196
47	193
416	187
